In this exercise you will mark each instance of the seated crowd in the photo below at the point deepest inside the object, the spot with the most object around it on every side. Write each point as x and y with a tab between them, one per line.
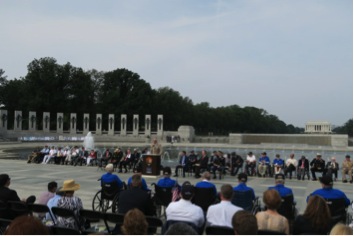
191	209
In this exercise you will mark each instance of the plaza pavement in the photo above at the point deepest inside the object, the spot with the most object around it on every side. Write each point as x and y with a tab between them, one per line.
32	179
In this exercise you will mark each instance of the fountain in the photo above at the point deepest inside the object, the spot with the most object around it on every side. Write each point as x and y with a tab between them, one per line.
89	142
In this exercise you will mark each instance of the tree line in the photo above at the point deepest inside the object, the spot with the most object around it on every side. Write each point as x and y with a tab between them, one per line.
51	87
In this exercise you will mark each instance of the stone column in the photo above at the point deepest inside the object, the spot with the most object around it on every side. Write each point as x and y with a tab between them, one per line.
86	124
147	125
32	117
135	125
98	124
3	121
73	121
18	121
46	121
60	122
123	124
159	125
111	124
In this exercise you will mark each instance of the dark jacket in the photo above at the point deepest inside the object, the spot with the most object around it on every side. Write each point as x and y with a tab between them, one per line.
136	198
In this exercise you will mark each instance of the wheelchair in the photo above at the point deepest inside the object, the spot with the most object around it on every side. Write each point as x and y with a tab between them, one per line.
107	198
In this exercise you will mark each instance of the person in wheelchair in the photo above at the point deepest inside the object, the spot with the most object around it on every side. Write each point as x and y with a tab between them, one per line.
166	181
278	164
332	168
143	181
280	187
264	165
247	200
110	178
251	162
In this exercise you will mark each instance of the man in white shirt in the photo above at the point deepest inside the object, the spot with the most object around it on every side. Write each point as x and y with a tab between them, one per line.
290	165
184	209
251	161
221	214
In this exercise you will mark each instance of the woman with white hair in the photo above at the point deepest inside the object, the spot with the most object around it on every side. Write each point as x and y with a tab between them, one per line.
110	178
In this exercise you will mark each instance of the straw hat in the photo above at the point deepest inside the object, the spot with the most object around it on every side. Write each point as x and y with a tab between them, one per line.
70	185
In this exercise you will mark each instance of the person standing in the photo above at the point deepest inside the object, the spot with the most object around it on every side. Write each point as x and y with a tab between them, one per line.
155	148
347	169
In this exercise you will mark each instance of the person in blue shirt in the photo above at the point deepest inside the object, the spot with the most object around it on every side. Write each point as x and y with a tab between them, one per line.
205	183
166	181
143	182
328	192
278	164
279	186
242	187
263	165
182	163
110	178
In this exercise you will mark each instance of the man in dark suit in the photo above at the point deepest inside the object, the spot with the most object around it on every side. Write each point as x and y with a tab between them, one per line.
136	197
202	164
317	165
303	167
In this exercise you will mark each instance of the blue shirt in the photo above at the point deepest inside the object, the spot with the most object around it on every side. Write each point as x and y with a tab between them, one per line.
206	184
330	193
143	184
109	178
167	182
242	187
282	190
53	202
265	159
279	162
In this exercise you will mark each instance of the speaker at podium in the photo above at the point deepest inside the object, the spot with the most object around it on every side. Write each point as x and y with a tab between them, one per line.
151	164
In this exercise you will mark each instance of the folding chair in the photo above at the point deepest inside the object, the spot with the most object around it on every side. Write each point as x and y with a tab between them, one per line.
92	217
244	199
66	213
338	210
41	208
18	208
287	207
162	197
58	230
154	223
219	230
115	218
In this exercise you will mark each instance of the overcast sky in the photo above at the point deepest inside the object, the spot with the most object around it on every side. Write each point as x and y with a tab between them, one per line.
292	58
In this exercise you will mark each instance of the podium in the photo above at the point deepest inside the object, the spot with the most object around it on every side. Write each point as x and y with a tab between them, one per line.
151	164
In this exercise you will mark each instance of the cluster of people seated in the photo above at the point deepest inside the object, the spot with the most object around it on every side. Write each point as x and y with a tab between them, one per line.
80	156
191	209
220	163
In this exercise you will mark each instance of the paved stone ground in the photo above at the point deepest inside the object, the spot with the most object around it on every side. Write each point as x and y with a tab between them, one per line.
28	179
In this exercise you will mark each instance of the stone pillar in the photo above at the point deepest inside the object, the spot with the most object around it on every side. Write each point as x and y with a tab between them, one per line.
60	122
135	125
111	124
3	121
147	125
86	124
18	121
123	124
32	124
46	121
73	121
159	125
98	124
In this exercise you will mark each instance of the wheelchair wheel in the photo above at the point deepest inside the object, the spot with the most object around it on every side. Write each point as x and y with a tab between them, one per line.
115	203
99	204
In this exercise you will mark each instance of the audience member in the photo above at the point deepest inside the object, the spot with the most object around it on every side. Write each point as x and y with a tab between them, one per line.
180	228
290	165
263	165
201	164
71	202
53	202
221	214
316	218
328	192
341	229
134	223
244	223
27	225
166	181
242	187
303	168
143	181
347	169
317	165
279	186
278	164
45	196
205	183
184	209
236	163
109	177
251	162
136	197
332	168
182	164
106	157
271	219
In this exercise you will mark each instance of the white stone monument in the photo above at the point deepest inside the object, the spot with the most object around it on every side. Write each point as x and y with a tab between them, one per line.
98	124
111	124
86	124
46	122
18	121
3	121
135	125
32	118
318	127
147	125
60	122
123	124
73	120
160	125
